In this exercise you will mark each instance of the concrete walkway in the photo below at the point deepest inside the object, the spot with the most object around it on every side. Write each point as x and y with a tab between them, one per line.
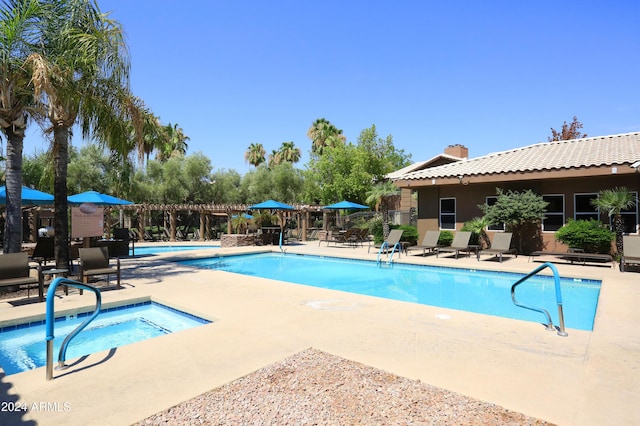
587	378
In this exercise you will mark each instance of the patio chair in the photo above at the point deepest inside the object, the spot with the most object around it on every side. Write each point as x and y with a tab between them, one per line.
501	245
95	261
392	242
346	237
44	250
15	271
631	252
429	242
460	243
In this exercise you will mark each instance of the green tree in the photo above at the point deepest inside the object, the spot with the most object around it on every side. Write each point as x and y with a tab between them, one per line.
80	75
348	171
172	142
18	35
383	195
289	152
568	131
613	202
521	212
255	154
324	134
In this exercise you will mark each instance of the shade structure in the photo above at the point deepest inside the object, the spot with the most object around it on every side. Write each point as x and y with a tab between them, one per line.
97	198
272	205
29	196
346	205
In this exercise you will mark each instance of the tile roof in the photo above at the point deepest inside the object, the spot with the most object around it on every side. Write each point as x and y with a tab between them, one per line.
421	165
576	153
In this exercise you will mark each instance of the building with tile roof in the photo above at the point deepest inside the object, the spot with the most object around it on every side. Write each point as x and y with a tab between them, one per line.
568	174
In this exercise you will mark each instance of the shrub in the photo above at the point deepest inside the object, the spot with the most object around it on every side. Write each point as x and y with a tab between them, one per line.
446	238
409	234
589	235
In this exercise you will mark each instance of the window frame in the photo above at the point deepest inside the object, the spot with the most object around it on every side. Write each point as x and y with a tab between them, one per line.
494	227
441	214
554	214
595	213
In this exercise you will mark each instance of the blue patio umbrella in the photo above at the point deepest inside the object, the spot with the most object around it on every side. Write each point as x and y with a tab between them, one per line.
271	205
97	198
346	205
29	196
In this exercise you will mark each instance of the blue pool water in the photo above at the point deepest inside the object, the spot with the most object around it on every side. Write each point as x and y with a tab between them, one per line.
23	347
463	289
166	249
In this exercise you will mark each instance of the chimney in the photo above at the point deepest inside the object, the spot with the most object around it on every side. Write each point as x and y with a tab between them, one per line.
457	150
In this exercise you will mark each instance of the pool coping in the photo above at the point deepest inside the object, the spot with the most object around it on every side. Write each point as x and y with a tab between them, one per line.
587	378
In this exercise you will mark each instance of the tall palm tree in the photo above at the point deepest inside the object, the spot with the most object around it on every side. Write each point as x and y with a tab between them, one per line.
18	34
324	134
382	195
614	201
175	142
275	158
255	154
80	75
289	152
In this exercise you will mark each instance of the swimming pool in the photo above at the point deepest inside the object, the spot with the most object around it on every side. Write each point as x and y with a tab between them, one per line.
22	347
483	292
166	249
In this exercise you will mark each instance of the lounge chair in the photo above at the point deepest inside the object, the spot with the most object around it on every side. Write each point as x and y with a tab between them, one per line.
95	261
346	237
391	243
460	243
429	242
501	245
631	251
15	271
44	250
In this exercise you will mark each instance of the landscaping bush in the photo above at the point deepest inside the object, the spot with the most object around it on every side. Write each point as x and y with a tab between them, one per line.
588	235
446	238
409	234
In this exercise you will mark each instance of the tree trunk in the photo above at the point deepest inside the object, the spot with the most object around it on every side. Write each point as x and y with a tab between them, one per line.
61	213
618	228
13	222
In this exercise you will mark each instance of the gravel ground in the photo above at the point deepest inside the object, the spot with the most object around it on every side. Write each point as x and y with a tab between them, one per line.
316	388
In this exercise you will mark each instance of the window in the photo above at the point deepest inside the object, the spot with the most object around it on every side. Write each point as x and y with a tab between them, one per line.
447	213
554	217
583	209
494	227
630	217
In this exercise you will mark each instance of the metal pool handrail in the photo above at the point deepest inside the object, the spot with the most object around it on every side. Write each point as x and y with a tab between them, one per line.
386	244
556	279
51	320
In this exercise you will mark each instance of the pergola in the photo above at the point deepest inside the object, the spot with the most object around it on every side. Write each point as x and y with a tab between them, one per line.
205	212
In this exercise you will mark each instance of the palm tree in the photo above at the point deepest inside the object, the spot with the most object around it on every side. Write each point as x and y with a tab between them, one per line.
289	152
80	75
614	201
275	158
382	196
324	134
17	36
255	154
175	143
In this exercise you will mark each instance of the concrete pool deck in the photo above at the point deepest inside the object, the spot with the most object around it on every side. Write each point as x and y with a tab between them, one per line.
587	378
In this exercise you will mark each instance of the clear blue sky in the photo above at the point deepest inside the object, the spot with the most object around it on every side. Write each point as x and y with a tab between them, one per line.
492	75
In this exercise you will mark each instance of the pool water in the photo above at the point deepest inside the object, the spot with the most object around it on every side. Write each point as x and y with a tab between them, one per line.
166	249
483	292
23	347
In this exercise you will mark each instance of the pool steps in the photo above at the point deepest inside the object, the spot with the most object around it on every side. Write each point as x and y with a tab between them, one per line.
50	320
